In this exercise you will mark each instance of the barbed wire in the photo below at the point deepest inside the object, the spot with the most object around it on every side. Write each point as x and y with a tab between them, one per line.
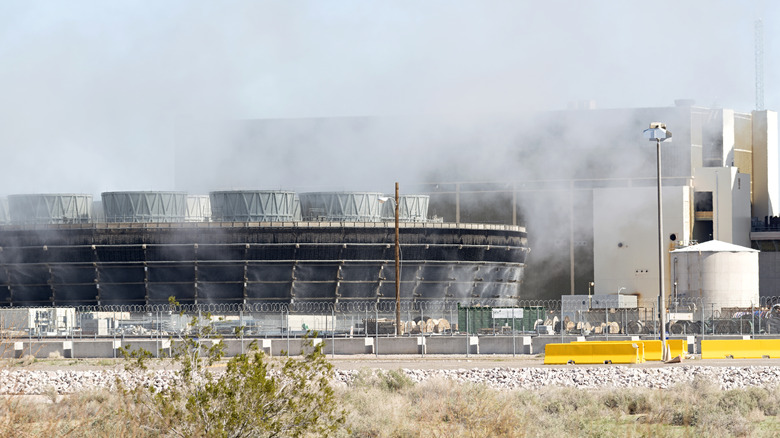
697	305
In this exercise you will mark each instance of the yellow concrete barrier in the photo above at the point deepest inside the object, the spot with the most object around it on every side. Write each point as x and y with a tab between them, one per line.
640	345
591	352
651	348
677	347
740	349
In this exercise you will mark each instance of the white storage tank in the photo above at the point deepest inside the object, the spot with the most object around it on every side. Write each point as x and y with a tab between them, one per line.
139	207
716	274
53	208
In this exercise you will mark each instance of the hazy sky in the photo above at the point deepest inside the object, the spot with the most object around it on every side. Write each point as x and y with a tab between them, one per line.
90	91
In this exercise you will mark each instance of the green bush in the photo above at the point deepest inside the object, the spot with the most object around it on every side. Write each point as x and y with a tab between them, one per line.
253	396
388	381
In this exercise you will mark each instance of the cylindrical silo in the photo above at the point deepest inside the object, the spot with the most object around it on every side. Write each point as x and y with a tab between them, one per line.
341	206
411	208
253	206
145	206
198	208
55	208
4	218
716	275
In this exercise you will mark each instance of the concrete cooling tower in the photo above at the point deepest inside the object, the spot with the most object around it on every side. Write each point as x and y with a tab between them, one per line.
253	206
58	208
411	208
256	249
4	218
341	206
141	207
198	208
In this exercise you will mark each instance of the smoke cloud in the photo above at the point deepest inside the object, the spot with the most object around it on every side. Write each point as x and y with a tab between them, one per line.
99	96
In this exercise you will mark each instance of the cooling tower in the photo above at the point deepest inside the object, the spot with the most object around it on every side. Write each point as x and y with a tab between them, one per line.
58	208
98	216
4	218
411	208
198	208
241	262
341	206
145	206
252	206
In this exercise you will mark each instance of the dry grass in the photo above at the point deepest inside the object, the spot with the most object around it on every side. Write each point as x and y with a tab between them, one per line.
442	408
88	414
390	405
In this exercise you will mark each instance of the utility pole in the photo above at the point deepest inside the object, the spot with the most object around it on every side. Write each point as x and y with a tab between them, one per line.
397	269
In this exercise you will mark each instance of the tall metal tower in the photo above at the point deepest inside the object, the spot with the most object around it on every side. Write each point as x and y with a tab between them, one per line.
759	46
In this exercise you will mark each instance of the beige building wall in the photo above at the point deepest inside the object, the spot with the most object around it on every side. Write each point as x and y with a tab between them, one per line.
625	231
731	202
766	180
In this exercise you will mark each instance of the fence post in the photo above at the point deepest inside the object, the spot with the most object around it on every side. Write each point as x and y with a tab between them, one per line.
422	332
422	321
655	322
408	316
753	320
468	333
452	332
376	328
513	331
157	325
333	328
712	317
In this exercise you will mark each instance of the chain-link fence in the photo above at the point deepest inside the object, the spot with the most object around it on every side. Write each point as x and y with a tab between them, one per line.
378	318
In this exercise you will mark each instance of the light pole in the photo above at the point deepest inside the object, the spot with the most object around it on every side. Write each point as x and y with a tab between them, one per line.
590	286
658	133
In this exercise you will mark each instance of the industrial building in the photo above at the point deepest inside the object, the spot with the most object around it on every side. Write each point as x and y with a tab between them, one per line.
582	181
248	247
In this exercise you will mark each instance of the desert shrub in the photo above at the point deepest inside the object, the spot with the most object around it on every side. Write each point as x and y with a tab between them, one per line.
771	405
744	400
390	381
627	401
395	380
253	396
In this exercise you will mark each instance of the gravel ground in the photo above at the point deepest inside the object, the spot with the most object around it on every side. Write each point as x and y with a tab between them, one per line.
594	377
36	381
